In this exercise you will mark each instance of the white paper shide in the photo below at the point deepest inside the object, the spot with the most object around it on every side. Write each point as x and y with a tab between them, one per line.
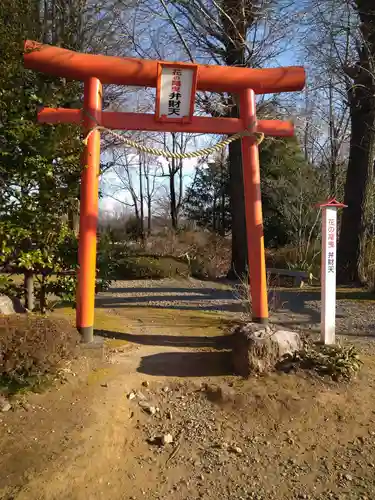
176	87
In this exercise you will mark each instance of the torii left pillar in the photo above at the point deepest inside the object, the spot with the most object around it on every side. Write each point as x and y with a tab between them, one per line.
88	221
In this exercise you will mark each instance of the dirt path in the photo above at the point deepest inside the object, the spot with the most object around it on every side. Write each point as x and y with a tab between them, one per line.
281	437
278	437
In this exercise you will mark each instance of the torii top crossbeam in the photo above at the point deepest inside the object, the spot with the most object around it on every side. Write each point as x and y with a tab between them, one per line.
138	72
176	84
128	71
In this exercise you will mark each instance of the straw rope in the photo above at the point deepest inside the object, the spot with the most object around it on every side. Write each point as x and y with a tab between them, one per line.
174	155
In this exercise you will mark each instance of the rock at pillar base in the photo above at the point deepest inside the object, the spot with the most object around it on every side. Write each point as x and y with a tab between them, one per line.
258	349
10	306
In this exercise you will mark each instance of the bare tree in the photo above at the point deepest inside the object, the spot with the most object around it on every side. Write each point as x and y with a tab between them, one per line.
150	173
122	185
345	49
173	171
350	25
132	182
174	174
330	48
233	33
357	219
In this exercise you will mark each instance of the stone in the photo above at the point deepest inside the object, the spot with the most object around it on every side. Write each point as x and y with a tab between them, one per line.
167	439
220	393
146	407
348	477
26	406
258	349
236	449
221	445
6	407
161	440
10	306
140	396
131	396
146	383
4	404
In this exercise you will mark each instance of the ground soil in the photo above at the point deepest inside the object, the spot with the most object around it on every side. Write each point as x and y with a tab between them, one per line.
155	371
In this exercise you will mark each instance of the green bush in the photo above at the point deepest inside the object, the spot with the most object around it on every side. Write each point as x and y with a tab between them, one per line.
34	346
151	267
336	361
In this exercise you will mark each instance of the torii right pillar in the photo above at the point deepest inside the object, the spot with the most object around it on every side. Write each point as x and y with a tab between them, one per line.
253	211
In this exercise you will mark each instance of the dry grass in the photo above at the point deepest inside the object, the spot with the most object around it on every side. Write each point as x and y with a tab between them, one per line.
154	320
33	346
207	254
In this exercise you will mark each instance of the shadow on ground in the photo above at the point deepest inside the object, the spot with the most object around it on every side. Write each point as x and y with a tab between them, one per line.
298	303
217	342
209	299
230	308
177	298
173	290
187	364
289	308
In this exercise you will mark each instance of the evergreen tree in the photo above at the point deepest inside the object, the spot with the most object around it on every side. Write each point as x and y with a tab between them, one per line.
207	200
39	165
290	188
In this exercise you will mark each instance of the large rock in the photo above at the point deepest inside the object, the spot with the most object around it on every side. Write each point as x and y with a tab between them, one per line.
258	349
10	306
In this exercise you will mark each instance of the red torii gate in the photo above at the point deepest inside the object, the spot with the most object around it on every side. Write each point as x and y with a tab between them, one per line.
94	70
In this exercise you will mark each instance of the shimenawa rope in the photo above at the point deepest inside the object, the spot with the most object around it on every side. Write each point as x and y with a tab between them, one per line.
178	156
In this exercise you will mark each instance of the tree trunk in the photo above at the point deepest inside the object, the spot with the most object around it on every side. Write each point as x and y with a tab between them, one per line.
237	204
222	200
149	214
141	208
358	188
148	198
333	146
358	217
180	187
237	16
73	217
172	193
29	290
42	296
215	218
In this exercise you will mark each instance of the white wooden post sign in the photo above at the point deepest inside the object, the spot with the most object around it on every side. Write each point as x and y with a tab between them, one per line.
175	92
328	270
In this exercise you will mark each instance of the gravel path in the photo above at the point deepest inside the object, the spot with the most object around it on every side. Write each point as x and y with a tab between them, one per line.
297	309
171	294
